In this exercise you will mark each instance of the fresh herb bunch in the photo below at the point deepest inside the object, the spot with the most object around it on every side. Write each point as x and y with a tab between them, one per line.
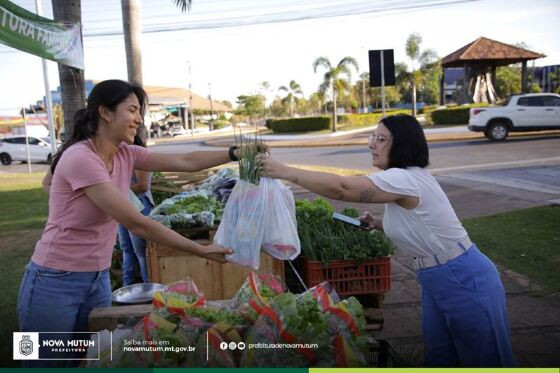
325	239
248	150
195	204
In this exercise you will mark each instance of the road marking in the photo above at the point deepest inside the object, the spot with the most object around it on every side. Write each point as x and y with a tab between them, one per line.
495	164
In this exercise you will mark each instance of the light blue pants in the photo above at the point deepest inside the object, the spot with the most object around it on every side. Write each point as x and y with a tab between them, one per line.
464	314
134	249
52	300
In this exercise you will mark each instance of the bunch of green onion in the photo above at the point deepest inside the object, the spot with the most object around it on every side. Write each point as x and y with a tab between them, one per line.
249	148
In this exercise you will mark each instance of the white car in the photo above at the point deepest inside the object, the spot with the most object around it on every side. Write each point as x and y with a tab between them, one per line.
12	148
178	131
525	112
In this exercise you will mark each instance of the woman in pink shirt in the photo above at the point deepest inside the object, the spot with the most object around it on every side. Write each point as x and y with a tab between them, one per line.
68	274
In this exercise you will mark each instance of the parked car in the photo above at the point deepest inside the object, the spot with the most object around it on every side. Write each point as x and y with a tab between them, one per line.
12	148
524	112
177	130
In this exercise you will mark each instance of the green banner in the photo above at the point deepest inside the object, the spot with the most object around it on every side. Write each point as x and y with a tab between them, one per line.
40	36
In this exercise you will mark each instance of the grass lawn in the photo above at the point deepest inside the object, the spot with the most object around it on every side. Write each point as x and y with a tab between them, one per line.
23	213
526	241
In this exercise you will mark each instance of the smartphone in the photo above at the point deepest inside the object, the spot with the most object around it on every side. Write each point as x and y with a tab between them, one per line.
348	220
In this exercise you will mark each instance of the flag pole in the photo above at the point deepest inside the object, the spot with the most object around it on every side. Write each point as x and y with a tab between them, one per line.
47	93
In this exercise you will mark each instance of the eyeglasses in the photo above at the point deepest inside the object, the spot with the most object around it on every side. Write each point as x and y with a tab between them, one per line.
377	138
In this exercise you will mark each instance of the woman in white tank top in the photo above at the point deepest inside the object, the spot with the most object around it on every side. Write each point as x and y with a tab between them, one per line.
464	313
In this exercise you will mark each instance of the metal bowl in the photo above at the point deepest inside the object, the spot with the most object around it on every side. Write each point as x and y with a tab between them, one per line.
136	293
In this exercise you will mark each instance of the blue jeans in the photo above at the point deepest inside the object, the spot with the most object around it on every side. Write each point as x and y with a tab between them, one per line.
134	249
464	314
53	300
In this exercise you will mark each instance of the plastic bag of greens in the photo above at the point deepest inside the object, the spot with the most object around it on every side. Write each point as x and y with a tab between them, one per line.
258	286
281	235
346	325
243	224
178	296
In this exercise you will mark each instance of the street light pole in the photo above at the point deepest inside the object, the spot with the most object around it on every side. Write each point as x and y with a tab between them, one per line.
211	107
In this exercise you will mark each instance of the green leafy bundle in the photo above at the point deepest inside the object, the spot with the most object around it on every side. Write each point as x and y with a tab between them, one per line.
196	204
324	239
248	150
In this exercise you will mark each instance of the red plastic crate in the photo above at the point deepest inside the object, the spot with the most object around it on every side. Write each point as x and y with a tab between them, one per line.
348	278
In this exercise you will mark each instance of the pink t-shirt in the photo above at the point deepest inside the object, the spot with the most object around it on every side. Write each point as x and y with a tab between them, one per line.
79	236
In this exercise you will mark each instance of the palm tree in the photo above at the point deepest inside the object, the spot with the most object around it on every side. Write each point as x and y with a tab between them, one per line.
264	88
332	78
293	89
424	59
132	31
413	52
72	83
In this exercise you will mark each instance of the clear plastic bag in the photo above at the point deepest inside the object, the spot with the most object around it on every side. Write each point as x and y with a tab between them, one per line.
281	238
243	224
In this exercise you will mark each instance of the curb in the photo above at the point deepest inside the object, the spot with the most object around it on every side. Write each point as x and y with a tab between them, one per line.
429	138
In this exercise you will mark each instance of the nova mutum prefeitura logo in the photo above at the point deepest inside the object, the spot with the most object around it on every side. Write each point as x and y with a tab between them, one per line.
25	345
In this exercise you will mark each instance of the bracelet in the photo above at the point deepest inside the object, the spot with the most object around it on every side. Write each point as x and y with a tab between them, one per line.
232	154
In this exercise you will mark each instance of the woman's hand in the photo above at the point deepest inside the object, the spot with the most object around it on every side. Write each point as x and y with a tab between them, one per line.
371	221
271	168
216	253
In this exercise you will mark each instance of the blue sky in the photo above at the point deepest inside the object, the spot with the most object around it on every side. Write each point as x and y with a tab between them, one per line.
236	59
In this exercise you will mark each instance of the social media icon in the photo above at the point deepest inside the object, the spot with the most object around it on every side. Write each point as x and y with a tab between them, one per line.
224	345
232	345
241	345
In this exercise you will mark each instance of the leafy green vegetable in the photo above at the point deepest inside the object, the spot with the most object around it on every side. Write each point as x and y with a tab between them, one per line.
195	204
325	239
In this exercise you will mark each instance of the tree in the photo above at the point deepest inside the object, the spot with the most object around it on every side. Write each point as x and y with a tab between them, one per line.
250	105
430	68
425	73
132	31
333	78
316	101
72	82
373	95
508	80
264	88
413	52
279	108
292	89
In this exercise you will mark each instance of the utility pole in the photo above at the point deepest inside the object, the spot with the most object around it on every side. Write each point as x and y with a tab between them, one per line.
364	93
211	107
190	100
363	88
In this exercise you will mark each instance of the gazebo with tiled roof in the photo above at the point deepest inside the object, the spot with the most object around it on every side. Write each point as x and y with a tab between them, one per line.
479	60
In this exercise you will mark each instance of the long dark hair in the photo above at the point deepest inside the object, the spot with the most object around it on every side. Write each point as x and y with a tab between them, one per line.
409	147
108	93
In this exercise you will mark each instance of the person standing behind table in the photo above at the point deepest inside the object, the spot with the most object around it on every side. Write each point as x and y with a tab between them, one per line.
132	246
89	182
464	312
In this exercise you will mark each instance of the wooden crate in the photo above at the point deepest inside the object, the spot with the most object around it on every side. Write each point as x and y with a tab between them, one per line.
215	280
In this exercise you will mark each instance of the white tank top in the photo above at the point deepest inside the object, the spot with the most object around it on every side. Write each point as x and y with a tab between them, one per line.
430	228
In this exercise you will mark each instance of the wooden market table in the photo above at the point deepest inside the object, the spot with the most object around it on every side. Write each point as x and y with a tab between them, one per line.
215	280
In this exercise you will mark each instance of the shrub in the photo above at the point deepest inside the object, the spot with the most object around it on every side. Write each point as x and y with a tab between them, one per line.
368	119
221	124
452	115
299	124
